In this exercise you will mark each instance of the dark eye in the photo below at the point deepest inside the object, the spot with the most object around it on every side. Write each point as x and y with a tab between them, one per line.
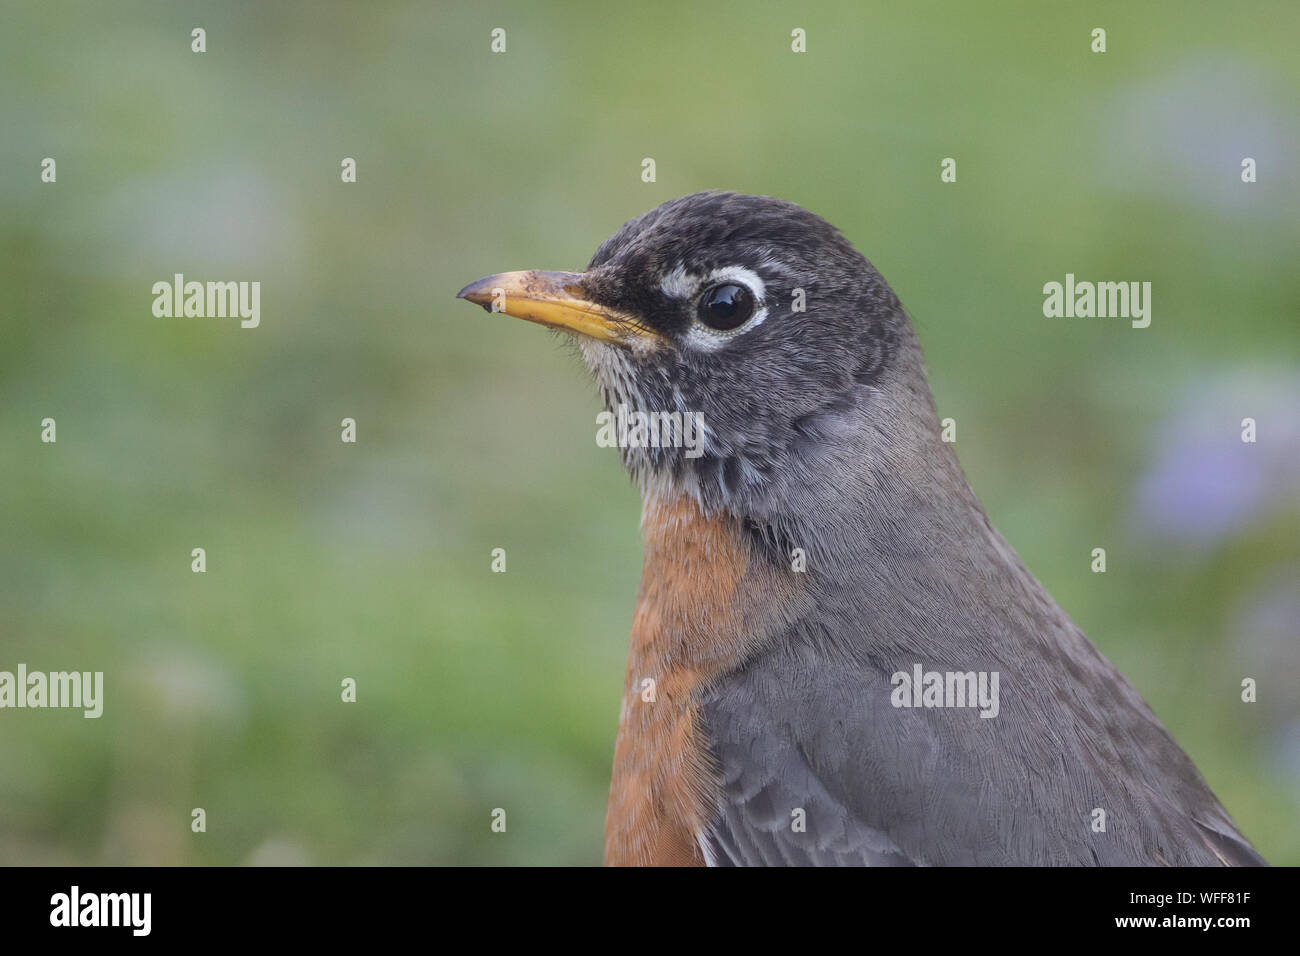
727	306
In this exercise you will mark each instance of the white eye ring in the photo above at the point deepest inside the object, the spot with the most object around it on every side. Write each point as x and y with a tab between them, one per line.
700	336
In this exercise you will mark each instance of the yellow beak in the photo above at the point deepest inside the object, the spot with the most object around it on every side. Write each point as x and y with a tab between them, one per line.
554	299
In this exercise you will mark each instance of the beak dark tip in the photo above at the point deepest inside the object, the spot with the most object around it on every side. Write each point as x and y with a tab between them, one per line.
480	293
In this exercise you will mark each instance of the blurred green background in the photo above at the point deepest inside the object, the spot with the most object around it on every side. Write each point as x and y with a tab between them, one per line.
325	560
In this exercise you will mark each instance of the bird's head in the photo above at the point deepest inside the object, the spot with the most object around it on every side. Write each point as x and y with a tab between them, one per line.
748	312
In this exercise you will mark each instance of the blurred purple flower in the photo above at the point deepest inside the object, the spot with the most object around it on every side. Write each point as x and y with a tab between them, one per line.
1205	483
1266	645
1286	745
1266	628
1202	116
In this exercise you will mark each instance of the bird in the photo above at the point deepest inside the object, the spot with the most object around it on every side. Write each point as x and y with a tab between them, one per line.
812	561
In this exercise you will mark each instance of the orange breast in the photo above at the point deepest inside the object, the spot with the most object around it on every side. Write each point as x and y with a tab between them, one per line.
695	620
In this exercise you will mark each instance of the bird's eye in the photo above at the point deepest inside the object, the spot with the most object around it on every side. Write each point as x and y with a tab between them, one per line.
726	306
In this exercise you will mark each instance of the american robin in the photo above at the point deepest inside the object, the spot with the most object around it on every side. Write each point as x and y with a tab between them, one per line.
835	658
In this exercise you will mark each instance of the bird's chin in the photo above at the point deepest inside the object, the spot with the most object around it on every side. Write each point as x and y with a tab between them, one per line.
616	371
597	352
